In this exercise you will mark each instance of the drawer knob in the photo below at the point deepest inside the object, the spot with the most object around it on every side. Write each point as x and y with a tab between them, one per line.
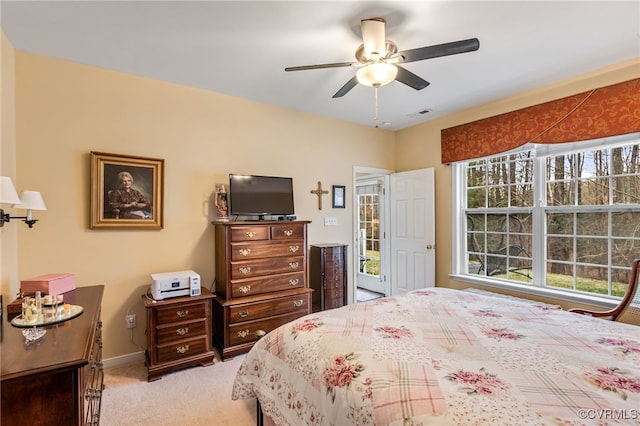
245	270
294	281
244	289
293	265
251	234
182	349
288	232
243	333
182	314
293	249
245	252
182	331
298	303
243	314
260	334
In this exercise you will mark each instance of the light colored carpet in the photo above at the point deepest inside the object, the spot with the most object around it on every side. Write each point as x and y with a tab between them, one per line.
194	396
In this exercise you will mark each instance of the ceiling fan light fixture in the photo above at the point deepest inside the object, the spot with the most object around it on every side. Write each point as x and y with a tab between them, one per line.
377	74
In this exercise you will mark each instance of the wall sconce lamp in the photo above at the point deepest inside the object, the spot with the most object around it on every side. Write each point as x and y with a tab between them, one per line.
29	200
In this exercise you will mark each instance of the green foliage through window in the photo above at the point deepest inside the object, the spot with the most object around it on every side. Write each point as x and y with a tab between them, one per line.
578	205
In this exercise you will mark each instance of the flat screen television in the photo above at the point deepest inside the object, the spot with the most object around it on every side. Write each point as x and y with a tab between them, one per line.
260	196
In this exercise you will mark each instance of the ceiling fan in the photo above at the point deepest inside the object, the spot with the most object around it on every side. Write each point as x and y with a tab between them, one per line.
378	59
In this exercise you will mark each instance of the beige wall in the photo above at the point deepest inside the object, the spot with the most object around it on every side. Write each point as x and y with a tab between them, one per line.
419	147
64	110
8	233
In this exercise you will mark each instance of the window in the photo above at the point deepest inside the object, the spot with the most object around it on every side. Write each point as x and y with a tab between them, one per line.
562	218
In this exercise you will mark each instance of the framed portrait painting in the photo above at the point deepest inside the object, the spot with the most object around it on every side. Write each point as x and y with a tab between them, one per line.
127	192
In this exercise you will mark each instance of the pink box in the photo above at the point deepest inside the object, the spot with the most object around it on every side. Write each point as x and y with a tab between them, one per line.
49	284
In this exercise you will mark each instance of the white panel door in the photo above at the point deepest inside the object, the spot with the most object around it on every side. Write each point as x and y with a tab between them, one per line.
412	230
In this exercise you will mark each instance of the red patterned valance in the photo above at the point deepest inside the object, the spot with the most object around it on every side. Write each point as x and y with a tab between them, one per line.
602	112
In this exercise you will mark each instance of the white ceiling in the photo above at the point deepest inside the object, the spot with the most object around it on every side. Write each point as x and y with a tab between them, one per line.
241	48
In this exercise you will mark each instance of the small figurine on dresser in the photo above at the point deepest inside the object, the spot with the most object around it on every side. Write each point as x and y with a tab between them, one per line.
222	206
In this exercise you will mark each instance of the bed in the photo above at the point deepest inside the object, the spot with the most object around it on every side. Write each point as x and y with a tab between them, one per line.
445	357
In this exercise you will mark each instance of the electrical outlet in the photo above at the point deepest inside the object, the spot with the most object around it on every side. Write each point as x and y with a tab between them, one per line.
330	221
131	321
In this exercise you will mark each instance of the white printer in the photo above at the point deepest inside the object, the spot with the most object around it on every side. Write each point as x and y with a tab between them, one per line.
173	284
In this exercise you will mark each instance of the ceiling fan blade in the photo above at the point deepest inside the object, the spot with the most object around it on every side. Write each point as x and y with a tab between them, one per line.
410	79
373	37
445	49
320	66
345	89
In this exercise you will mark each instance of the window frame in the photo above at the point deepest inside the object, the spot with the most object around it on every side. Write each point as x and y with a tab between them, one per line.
539	211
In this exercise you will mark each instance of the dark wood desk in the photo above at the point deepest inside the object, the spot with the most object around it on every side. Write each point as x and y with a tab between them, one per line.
58	379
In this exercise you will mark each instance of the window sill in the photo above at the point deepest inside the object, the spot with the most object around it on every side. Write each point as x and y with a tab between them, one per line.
597	301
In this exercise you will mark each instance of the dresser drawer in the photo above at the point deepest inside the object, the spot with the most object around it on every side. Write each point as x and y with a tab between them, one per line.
334	293
173	332
256	250
335	254
246	332
334	278
183	312
333	303
181	349
267	308
268	266
287	231
268	284
249	233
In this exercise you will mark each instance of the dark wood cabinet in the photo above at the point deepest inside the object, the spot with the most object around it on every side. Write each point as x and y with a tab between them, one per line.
261	280
178	333
328	275
57	379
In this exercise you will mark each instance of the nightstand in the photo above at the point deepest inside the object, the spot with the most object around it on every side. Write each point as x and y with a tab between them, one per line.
178	333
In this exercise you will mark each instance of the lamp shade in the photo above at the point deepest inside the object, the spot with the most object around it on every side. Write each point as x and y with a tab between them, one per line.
8	192
31	200
377	74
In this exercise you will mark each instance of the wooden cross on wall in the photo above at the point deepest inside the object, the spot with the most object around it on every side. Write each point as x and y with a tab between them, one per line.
319	192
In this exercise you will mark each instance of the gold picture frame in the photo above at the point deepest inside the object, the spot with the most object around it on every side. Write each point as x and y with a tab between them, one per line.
127	192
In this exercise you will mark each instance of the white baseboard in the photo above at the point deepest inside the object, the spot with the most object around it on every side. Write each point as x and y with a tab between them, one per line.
123	359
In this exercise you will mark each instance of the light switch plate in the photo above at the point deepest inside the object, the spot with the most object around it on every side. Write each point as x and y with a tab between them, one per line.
330	221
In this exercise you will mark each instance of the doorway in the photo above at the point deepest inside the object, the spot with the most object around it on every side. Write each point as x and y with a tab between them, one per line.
371	196
394	232
371	220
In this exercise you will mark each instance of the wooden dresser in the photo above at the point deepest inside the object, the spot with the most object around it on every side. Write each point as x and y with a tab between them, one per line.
59	378
261	280
178	333
328	275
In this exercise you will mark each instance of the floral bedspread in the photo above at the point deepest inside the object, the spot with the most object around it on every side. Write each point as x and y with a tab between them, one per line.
446	357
